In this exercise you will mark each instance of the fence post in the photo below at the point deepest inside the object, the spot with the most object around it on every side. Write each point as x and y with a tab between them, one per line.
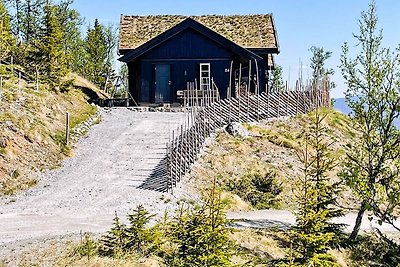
67	128
19	82
1	88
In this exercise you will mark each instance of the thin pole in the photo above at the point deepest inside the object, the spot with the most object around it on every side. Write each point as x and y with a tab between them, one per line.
1	87
230	81
37	79
19	82
239	85
67	128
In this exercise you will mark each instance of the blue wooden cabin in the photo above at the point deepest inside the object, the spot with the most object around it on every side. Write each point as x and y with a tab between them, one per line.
164	53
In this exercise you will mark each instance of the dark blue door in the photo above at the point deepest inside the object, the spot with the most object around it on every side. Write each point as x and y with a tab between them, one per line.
163	83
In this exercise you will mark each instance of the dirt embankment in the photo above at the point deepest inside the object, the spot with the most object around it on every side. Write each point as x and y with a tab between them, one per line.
32	124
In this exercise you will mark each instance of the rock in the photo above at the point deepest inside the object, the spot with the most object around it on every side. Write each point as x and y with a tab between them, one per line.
236	129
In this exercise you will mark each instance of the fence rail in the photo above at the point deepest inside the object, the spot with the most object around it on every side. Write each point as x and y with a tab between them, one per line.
187	141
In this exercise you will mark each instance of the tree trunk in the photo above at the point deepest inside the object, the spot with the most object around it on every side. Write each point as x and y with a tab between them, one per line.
359	218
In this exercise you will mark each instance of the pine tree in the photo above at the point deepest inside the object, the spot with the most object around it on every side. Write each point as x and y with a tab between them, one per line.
51	46
138	237
73	45
113	243
99	45
7	40
315	194
276	83
202	235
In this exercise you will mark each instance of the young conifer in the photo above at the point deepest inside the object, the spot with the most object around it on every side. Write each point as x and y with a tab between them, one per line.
138	236
113	243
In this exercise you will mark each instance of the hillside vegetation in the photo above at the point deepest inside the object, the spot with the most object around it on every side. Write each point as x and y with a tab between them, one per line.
273	149
271	153
32	130
41	44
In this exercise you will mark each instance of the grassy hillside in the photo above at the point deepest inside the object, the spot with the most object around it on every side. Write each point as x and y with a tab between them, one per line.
32	124
270	152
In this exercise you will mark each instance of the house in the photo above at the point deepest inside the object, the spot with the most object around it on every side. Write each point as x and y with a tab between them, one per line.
165	52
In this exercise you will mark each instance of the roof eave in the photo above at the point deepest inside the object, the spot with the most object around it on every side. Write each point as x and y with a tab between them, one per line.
275	34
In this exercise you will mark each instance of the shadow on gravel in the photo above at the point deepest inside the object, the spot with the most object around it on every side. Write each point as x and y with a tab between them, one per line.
260	224
158	179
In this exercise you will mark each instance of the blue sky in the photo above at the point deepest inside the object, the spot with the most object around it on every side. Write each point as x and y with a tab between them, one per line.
300	23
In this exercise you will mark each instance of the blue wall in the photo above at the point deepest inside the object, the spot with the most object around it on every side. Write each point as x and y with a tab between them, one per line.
183	52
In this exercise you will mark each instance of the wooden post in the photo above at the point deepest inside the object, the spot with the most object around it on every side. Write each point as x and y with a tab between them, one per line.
67	128
37	79
20	82
169	176
238	91
1	87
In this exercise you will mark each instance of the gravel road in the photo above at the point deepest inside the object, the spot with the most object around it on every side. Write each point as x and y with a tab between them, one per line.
115	168
283	219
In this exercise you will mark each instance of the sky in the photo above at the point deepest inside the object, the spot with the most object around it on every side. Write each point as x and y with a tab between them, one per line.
300	24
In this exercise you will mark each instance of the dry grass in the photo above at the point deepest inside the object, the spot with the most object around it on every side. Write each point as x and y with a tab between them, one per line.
59	253
81	82
32	127
274	146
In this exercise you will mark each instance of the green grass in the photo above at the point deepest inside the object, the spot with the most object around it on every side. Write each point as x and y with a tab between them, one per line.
84	115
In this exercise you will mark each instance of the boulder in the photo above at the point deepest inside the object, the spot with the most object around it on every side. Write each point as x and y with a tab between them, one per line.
236	129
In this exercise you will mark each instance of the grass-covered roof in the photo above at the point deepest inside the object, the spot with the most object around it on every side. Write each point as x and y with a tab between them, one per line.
248	31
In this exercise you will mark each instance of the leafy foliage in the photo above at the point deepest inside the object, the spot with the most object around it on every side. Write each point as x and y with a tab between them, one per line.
372	166
375	250
276	82
317	65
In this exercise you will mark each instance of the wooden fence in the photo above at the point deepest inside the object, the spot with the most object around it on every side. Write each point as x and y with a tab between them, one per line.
187	141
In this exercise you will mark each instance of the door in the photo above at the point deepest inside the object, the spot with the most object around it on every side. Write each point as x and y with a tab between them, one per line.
162	83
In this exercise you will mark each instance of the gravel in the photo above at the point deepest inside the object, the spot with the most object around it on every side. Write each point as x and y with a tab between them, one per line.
115	168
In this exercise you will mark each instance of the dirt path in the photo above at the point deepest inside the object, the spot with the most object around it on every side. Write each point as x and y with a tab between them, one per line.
284	219
112	171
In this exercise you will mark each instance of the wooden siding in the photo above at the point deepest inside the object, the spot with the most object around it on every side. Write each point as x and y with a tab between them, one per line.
184	52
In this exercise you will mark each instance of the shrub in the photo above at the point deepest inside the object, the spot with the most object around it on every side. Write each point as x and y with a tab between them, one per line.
260	189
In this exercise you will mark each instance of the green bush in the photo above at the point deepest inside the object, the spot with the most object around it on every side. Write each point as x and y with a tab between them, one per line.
375	250
261	190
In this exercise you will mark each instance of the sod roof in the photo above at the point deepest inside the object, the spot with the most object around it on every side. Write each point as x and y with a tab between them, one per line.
248	31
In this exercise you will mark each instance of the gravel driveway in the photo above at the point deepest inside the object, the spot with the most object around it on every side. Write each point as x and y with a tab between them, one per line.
118	166
112	170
